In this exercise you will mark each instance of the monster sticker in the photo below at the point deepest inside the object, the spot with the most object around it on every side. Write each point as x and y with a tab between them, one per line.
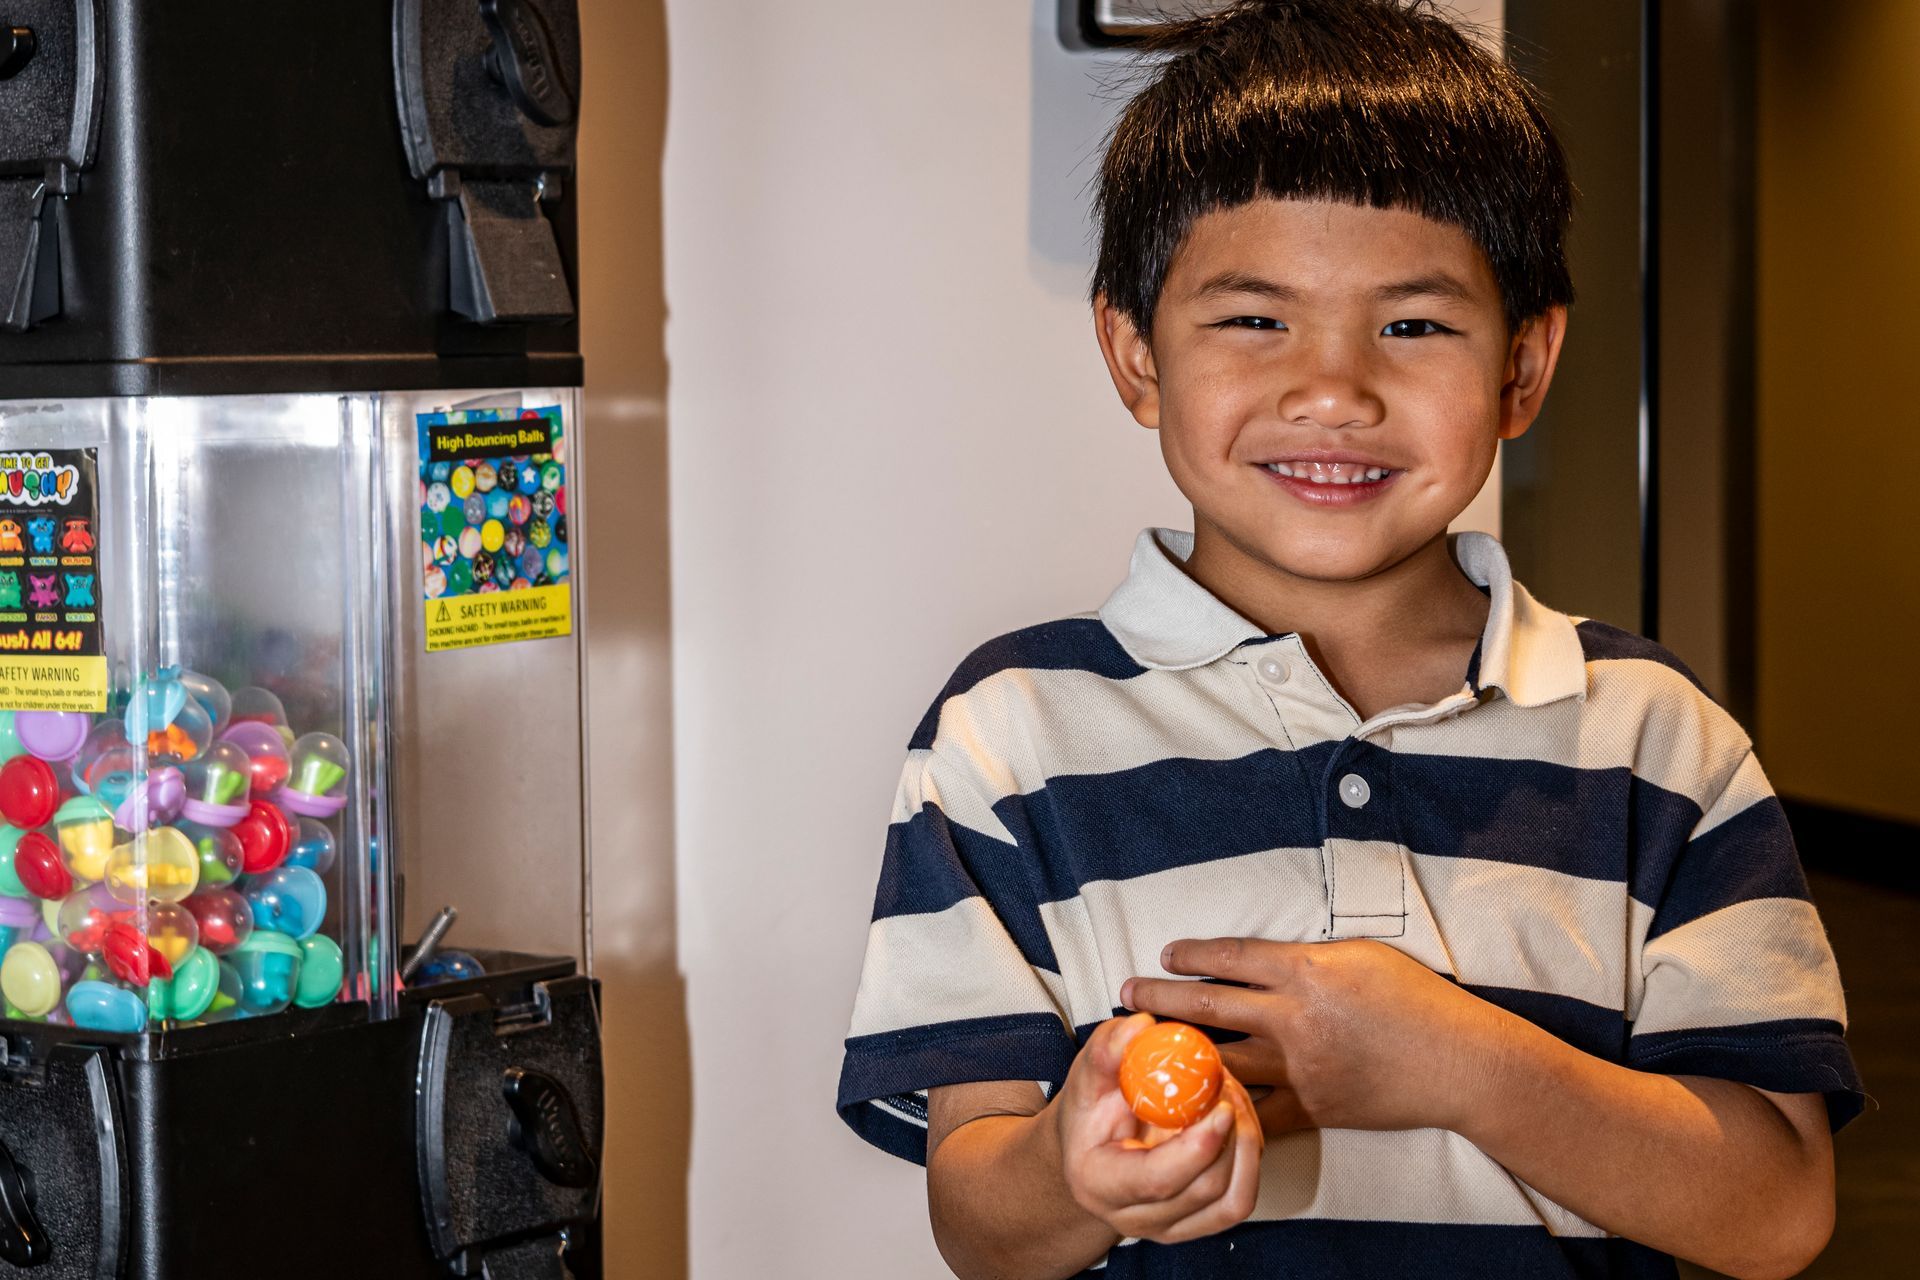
50	632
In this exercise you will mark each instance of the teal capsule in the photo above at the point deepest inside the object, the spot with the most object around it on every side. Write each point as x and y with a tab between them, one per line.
189	993
269	967
100	1007
321	969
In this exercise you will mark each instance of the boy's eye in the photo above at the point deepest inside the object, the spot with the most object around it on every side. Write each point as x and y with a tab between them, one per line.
1413	329
1251	322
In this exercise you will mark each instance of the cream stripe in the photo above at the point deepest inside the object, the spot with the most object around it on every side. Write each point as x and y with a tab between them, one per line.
956	783
1041	724
1522	927
1637	715
1746	788
1115	929
942	966
1755	961
1418	1175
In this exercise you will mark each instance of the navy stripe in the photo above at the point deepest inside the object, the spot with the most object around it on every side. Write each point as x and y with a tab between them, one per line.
1589	1028
1788	1055
1071	644
1601	642
932	863
1182	812
895	1064
1747	857
1318	1249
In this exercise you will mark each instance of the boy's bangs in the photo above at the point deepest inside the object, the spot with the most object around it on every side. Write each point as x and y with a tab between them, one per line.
1359	101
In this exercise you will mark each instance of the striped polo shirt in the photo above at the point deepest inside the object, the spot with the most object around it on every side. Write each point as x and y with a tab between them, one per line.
1579	835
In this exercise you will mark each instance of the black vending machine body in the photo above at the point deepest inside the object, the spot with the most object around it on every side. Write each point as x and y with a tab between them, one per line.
260	261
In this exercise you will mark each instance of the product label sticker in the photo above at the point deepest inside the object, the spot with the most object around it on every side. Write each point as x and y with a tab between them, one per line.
50	653
493	527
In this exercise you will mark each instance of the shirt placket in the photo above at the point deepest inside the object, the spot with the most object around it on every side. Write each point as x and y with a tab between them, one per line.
1363	860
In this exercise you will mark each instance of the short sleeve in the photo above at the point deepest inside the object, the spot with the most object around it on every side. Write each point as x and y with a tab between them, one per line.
1736	979
959	983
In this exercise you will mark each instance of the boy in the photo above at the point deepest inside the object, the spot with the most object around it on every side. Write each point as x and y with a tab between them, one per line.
1505	933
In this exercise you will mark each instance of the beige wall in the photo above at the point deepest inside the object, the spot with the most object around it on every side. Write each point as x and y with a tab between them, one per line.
1839	417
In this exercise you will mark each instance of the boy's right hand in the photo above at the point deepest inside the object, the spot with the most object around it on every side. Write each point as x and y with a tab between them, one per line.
1199	1182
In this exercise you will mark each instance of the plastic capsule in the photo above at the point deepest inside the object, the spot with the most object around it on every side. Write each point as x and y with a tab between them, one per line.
269	967
265	836
163	865
212	697
30	979
100	1006
190	992
218	784
321	971
290	900
9	739
29	792
85	830
317	787
224	916
447	966
313	847
266	751
54	736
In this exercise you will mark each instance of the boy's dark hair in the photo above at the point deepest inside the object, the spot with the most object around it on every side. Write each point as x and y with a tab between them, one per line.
1368	102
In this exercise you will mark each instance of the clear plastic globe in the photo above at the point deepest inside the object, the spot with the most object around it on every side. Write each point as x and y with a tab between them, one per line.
313	847
212	697
172	931
84	827
289	900
269	967
162	865
225	919
221	854
86	915
317	787
267	761
218	783
106	766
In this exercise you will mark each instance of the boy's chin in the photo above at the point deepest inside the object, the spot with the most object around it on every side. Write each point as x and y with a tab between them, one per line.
1335	560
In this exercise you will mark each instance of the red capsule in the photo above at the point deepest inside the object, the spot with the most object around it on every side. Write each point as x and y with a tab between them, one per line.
131	957
29	792
37	861
265	836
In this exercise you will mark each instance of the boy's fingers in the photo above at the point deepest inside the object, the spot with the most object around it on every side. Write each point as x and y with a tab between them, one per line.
1232	1202
1109	1042
1148	1177
1207	1003
1250	960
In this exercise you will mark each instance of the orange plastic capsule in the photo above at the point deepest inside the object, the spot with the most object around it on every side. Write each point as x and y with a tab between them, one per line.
1170	1075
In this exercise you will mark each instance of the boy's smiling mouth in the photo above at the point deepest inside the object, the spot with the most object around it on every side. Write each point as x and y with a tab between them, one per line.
1330	481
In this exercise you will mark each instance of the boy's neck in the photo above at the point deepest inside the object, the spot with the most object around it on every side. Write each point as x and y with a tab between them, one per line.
1402	635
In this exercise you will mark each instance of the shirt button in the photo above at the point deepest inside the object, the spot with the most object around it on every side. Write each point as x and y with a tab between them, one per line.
1272	670
1354	791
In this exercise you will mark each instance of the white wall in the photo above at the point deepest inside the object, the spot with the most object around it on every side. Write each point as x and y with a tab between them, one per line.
890	437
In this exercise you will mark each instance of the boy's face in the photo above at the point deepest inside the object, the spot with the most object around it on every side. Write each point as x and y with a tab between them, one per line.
1329	381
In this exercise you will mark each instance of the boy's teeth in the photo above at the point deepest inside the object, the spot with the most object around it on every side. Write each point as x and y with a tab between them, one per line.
1329	472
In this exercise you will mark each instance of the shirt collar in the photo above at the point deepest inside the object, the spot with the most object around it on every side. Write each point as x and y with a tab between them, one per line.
1165	619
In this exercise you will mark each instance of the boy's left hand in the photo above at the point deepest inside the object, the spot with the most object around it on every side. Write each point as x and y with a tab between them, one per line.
1349	1035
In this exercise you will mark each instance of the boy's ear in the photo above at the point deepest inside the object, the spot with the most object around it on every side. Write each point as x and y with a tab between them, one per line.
1530	364
1130	360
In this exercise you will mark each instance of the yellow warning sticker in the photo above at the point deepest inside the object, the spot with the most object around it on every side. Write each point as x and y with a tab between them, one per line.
52	683
499	617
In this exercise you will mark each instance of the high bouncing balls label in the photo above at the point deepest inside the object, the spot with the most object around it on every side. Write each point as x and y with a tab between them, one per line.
50	654
1170	1075
493	528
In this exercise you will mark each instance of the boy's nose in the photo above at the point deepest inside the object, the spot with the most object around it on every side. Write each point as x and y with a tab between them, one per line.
1331	398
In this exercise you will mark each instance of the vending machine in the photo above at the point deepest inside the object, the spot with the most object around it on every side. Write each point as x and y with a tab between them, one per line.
295	942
